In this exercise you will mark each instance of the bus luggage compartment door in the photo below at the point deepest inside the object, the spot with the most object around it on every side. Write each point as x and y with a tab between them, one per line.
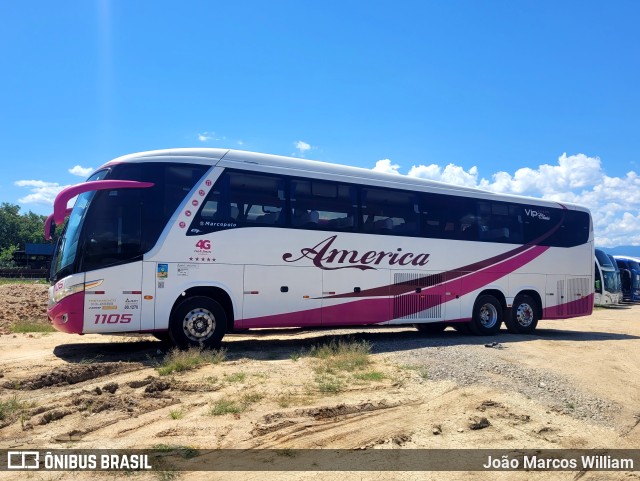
281	296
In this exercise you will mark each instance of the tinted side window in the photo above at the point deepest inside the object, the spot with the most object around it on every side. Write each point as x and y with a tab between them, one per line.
449	217
317	204
573	231
241	199
389	212
500	222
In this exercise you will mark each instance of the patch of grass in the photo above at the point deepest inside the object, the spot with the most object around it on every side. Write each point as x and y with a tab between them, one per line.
252	398
339	358
369	376
342	355
225	406
329	384
14	408
176	414
28	326
235	377
163	448
187	452
179	361
230	406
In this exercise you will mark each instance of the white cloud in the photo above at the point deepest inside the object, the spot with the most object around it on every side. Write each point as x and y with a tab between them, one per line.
385	165
41	192
452	174
81	171
302	147
206	136
614	201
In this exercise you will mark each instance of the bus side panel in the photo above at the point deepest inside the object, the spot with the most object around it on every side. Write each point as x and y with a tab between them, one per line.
174	278
526	282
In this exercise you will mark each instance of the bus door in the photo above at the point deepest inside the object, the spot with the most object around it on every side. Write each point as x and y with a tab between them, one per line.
282	296
151	275
113	299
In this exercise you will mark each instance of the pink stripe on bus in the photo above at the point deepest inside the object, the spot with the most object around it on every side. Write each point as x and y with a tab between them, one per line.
377	310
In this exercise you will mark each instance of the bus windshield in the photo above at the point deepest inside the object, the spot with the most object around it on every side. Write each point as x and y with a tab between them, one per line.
116	226
603	259
67	246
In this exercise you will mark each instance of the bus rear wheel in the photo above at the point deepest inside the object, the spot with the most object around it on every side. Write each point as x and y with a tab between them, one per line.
524	315
487	316
198	321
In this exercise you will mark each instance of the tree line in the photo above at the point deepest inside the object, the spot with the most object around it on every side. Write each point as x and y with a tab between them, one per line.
16	230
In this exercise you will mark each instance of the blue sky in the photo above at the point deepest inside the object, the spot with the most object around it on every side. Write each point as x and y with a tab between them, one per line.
533	97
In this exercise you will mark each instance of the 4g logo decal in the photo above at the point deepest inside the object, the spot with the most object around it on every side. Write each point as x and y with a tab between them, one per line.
202	251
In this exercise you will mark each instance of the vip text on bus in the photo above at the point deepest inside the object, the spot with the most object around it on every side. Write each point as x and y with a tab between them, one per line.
190	244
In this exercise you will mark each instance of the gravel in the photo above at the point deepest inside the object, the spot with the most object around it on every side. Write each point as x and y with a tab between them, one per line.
450	357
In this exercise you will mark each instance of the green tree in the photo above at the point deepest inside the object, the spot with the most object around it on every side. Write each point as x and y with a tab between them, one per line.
6	257
18	229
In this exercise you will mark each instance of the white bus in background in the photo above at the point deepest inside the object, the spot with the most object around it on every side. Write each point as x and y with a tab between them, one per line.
189	244
608	290
618	278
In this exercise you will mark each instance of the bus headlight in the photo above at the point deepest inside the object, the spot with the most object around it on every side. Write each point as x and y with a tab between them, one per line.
67	291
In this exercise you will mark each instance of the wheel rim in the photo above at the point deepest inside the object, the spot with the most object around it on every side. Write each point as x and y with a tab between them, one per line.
199	324
488	316
524	315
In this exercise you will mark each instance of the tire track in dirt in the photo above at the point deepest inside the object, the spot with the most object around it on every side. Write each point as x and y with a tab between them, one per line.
357	425
70	374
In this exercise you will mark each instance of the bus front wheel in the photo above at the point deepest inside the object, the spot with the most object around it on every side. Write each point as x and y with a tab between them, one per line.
487	316
198	321
524	315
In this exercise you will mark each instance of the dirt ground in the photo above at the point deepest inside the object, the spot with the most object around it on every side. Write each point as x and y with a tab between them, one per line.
20	302
105	391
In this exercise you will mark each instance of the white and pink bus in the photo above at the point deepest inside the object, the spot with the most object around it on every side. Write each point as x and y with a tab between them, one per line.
189	244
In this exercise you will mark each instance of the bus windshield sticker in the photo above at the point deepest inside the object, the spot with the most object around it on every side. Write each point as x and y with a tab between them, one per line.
163	271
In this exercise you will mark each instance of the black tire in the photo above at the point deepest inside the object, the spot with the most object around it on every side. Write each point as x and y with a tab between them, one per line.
524	317
487	316
431	327
198	322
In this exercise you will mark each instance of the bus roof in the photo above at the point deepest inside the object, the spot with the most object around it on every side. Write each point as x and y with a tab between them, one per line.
229	157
